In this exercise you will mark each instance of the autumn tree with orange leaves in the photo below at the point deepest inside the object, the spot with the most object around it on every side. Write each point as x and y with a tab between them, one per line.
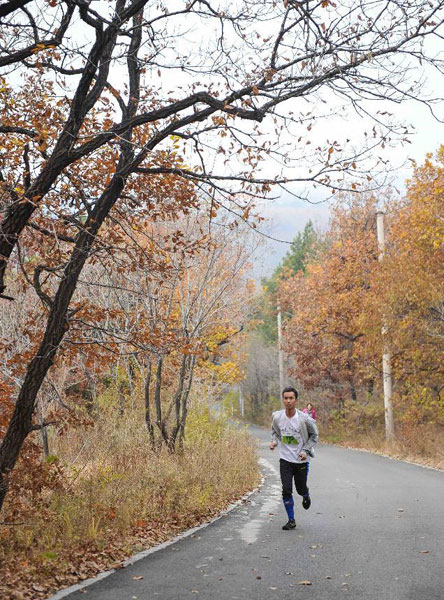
347	296
92	94
170	323
326	336
408	295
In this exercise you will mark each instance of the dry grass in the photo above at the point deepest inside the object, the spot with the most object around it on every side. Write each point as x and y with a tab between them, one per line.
421	443
121	497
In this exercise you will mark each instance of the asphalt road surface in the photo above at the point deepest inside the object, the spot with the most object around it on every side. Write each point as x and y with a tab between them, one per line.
375	530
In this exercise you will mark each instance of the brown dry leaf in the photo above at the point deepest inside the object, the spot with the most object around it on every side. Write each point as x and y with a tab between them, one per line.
138	577
141	523
304	582
424	551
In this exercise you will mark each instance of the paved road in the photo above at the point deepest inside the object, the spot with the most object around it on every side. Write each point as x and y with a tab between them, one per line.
375	531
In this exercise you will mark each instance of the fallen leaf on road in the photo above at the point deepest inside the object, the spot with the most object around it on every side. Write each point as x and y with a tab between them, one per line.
273	588
305	582
400	510
424	551
138	577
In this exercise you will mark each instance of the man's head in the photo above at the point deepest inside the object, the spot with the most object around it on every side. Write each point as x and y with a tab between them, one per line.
289	397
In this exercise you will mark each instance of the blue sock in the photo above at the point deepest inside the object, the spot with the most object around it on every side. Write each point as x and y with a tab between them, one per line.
289	507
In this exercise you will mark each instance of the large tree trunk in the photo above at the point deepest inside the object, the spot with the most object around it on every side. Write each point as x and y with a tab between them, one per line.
148	420
58	318
184	403
178	401
58	323
353	391
43	433
160	422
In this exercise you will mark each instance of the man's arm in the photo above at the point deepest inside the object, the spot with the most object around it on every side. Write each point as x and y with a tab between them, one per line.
313	436
275	433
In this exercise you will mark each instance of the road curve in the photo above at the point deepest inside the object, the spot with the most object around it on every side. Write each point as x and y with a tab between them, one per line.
375	531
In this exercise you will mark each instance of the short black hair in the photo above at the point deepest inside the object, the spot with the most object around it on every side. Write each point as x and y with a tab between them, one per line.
290	389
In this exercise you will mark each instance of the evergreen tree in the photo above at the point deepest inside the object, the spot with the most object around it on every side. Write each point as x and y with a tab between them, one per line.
300	249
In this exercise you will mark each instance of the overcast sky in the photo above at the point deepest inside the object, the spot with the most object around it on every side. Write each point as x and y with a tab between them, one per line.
286	216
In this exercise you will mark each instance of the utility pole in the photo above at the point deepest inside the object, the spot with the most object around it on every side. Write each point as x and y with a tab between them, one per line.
280	352
386	359
241	402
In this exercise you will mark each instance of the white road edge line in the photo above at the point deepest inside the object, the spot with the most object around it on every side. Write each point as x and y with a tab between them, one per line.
140	555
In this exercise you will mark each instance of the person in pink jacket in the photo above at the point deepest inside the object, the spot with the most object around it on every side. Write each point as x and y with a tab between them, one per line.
310	410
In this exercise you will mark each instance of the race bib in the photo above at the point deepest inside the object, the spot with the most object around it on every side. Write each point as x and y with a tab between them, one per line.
290	439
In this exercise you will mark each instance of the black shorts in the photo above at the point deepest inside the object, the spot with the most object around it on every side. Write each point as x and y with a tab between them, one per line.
293	471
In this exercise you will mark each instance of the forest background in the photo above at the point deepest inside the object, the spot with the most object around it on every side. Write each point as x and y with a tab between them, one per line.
336	296
132	167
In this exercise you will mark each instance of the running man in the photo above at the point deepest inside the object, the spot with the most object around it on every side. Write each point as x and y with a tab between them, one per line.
295	433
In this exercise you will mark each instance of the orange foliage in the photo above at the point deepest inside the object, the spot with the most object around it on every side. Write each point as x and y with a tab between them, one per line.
325	334
346	297
409	293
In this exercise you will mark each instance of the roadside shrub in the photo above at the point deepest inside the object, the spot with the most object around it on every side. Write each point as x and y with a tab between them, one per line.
118	495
